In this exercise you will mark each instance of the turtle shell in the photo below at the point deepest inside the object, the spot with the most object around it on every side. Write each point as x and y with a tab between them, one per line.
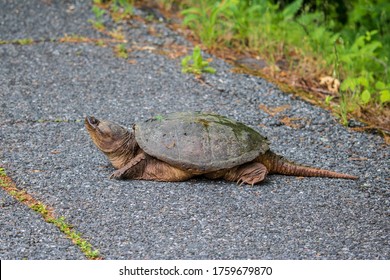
199	142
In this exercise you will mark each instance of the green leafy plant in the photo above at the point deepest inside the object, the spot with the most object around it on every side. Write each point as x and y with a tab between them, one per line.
196	64
384	91
328	99
98	12
121	9
126	5
207	19
121	51
98	22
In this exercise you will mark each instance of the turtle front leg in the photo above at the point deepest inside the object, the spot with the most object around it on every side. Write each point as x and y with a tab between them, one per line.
249	173
121	173
145	167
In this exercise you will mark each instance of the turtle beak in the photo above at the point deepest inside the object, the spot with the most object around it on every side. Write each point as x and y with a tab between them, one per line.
92	122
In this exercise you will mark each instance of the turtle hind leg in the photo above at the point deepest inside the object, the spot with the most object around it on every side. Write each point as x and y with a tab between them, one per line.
250	173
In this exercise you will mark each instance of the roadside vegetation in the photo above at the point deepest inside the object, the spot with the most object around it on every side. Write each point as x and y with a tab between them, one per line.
332	53
336	51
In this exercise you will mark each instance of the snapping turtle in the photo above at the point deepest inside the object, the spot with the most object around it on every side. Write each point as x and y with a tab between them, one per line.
178	146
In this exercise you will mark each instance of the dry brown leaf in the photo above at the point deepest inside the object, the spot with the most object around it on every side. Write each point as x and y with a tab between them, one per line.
290	122
331	83
275	110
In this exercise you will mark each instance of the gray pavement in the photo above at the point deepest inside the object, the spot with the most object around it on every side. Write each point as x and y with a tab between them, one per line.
47	89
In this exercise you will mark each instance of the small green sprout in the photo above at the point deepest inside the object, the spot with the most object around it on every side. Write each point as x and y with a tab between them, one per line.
196	64
98	23
98	13
328	99
2	172
40	208
158	118
126	5
121	51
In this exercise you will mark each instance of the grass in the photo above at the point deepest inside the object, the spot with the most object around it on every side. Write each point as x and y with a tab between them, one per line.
119	10
98	21
24	41
48	215
121	51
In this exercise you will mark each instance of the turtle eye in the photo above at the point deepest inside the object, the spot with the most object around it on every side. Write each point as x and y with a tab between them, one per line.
92	121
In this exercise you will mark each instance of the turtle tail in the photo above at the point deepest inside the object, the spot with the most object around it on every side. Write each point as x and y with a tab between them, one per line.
278	165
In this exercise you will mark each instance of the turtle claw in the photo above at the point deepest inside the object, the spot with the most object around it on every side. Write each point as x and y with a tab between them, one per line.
116	175
251	173
240	182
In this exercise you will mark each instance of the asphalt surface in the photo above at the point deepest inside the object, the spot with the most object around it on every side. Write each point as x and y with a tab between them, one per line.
48	88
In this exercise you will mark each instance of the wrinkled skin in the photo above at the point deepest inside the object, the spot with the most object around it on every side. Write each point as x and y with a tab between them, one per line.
131	162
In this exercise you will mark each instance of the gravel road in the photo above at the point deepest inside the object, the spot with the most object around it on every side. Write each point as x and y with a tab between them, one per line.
47	88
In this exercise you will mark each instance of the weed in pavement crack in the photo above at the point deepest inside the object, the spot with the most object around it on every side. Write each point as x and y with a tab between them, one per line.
48	215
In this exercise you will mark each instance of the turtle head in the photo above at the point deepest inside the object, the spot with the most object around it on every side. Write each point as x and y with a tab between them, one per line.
106	135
